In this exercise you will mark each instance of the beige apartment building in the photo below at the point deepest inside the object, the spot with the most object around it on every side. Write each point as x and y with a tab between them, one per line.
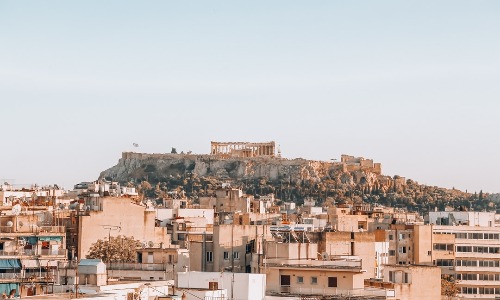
309	278
113	216
30	248
231	247
359	244
410	282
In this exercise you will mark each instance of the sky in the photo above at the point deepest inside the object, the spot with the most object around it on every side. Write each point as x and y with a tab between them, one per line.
414	85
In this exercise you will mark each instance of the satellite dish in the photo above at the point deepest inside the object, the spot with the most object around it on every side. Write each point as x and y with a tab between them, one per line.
16	209
10	224
20	223
151	244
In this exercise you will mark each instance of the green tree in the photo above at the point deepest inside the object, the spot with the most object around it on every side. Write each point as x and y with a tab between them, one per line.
117	249
449	286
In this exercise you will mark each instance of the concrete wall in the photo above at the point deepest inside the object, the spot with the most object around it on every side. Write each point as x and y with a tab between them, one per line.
291	250
132	220
361	244
424	282
345	280
234	238
238	285
208	214
422	243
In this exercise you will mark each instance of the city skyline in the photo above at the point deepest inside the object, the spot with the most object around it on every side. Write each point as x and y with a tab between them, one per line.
411	85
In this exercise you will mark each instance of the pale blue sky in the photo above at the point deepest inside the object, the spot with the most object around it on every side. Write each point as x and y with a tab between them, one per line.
414	85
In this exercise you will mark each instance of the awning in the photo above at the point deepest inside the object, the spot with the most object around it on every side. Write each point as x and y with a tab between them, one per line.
50	238
48	262
6	264
7	288
30	263
31	240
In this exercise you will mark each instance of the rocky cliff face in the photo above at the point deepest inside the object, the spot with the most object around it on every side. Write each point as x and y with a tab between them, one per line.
155	167
289	179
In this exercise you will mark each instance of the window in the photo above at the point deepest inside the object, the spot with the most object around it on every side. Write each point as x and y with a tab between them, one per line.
489	277
300	279
332	281
464	249
285	280
236	255
392	252
466	263
443	247
213	285
391	237
402	250
489	263
250	246
210	256
406	278
466	276
487	291
444	262
391	276
226	255
469	290
314	280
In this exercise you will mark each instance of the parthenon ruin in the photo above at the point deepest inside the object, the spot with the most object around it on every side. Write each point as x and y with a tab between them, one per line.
243	149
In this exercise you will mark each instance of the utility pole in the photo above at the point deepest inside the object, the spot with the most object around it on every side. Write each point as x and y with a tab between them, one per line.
77	280
109	228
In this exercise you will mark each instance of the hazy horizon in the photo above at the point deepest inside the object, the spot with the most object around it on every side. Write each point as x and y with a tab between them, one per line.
412	85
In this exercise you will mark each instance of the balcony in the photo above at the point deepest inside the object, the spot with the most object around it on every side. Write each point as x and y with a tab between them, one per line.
52	252
349	264
137	266
365	292
34	252
32	229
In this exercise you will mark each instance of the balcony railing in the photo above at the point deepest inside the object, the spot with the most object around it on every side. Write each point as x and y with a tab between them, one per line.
371	292
32	252
137	266
32	229
10	275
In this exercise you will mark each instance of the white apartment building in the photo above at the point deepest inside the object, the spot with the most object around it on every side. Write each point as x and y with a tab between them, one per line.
469	218
473	258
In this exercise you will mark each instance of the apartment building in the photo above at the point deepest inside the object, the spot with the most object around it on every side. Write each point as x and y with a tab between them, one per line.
410	282
359	244
30	248
301	278
472	255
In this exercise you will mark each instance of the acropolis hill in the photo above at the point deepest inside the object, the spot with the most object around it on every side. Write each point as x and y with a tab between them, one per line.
257	169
